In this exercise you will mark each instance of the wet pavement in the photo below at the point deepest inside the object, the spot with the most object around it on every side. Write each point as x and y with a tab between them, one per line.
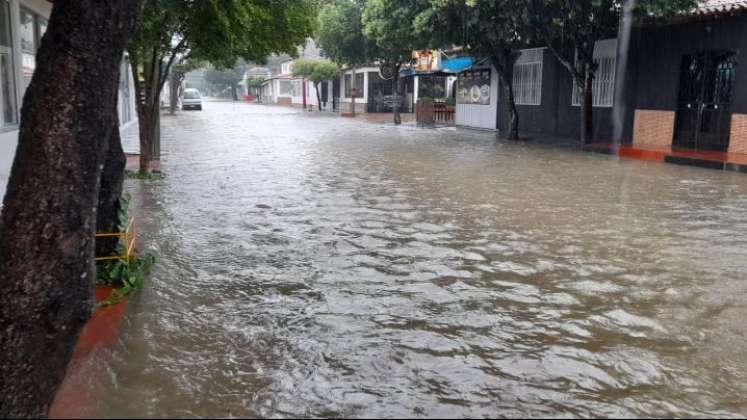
317	266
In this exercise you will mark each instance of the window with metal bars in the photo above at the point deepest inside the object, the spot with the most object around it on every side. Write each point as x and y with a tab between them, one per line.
603	86
9	114
527	81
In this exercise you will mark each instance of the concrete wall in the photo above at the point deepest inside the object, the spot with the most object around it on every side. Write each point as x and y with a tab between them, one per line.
8	142
481	116
310	95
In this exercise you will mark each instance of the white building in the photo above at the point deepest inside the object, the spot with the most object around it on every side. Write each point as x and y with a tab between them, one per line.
477	98
22	24
285	89
374	93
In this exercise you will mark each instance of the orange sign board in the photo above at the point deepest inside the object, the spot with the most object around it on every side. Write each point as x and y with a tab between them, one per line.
426	60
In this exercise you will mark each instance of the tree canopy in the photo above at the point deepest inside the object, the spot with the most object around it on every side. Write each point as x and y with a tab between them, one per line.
390	25
221	31
324	70
316	70
226	78
255	81
340	33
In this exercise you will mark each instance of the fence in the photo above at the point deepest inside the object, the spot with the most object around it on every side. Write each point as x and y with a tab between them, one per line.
128	238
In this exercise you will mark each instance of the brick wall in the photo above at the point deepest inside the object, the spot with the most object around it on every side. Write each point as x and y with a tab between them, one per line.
653	128
738	138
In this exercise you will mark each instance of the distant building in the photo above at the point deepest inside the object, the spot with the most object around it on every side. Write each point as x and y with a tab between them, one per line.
282	88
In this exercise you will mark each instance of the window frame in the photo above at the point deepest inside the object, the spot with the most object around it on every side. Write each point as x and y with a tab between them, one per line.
603	85
288	92
347	82
125	92
10	52
36	22
528	77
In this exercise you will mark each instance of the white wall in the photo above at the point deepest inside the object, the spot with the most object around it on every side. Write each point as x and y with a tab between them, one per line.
310	94
480	116
9	135
360	98
8	141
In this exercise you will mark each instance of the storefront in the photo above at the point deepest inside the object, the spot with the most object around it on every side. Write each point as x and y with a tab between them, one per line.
477	98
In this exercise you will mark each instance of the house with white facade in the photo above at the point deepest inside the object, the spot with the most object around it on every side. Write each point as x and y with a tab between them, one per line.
22	25
285	89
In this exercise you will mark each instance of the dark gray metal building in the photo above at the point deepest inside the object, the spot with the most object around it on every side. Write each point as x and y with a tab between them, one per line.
685	85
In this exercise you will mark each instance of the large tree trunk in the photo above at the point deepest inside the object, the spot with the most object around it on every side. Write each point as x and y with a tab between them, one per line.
513	113
149	124
110	192
587	103
148	110
48	222
503	61
148	102
395	91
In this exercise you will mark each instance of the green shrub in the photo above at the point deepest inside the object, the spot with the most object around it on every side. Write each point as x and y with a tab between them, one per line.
125	276
153	176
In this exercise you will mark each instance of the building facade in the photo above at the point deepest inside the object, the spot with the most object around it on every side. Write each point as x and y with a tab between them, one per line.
688	80
282	88
683	85
547	100
22	25
374	93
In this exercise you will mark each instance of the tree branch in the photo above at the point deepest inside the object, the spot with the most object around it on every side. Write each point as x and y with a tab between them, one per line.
165	70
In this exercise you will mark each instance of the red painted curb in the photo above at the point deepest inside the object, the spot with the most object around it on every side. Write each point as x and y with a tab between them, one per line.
640	154
75	399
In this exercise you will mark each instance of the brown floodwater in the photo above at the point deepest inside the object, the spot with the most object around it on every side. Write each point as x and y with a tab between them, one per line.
322	267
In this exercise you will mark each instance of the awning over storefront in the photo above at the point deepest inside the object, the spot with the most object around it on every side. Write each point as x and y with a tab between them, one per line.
450	67
457	65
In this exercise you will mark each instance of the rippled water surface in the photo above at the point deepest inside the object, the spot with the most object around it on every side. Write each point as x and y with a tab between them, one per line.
317	266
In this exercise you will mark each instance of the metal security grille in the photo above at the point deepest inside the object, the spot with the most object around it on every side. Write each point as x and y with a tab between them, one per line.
527	78
603	86
703	116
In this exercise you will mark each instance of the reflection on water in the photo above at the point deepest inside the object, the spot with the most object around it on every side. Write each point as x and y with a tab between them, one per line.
314	266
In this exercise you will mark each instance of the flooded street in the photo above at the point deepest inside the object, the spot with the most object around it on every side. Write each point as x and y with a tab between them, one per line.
317	266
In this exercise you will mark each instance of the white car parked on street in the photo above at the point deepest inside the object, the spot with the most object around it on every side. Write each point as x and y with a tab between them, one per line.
191	99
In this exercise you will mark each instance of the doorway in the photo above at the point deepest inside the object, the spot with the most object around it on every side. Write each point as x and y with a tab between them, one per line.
703	118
